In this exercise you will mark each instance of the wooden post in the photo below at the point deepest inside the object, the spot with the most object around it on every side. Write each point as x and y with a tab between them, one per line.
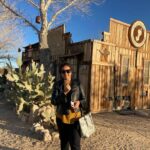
135	84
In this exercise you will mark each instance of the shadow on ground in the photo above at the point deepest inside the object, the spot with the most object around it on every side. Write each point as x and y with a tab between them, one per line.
6	148
9	121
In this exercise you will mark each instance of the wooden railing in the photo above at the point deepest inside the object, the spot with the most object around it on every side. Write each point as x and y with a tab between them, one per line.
26	56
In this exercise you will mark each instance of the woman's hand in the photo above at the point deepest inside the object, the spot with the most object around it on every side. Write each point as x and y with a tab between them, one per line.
76	104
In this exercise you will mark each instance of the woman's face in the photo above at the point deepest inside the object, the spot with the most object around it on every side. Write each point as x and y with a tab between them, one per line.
66	73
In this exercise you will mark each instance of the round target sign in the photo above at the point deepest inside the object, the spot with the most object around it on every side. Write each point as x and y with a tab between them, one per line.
137	34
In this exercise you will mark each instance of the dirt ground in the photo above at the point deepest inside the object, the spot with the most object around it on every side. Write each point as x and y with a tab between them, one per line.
113	132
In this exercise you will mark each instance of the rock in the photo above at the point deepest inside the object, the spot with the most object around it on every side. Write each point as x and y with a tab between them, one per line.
46	135
39	128
55	135
51	121
45	131
34	108
46	113
49	107
36	124
41	133
42	108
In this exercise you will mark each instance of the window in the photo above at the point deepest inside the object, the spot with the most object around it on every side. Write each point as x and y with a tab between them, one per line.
125	69
146	71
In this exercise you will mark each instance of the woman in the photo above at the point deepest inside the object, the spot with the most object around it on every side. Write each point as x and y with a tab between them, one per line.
69	97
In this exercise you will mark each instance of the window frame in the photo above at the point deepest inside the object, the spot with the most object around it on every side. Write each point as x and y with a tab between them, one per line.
146	83
122	68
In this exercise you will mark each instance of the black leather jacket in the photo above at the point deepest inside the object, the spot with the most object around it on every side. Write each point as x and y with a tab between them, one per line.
63	101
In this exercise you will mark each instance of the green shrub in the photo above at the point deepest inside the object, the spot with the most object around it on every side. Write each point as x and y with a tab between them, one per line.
29	87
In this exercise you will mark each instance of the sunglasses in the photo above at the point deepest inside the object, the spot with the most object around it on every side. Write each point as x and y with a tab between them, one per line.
65	71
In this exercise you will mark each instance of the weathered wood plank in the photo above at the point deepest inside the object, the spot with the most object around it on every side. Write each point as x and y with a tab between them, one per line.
92	92
100	87
96	87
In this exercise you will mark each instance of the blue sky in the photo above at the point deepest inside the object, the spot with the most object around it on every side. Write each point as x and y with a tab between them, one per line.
85	27
124	10
91	26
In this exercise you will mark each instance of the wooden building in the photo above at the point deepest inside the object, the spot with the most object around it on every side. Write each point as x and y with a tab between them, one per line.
114	71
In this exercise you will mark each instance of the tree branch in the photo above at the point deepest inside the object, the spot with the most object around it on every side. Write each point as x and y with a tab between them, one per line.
34	4
6	56
49	2
18	15
82	11
60	11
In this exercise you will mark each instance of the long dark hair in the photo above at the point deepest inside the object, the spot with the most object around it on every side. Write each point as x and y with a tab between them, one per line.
64	64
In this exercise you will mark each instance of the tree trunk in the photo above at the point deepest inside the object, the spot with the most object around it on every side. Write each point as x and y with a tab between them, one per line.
44	50
44	26
43	39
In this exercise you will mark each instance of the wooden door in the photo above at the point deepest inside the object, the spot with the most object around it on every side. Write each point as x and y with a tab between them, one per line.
102	88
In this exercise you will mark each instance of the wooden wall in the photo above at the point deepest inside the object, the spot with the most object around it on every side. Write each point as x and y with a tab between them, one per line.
102	77
106	70
56	42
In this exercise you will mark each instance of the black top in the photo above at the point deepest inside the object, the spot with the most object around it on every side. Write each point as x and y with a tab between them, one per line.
62	101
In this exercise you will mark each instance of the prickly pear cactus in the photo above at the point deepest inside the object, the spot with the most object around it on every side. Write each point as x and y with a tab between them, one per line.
32	87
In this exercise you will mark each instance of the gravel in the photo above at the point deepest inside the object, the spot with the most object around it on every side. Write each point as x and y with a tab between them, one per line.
113	132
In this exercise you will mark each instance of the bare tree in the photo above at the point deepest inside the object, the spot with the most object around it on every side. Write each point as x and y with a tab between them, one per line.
10	36
49	12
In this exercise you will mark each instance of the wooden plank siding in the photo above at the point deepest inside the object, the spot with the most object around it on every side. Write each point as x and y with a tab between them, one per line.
105	83
101	88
